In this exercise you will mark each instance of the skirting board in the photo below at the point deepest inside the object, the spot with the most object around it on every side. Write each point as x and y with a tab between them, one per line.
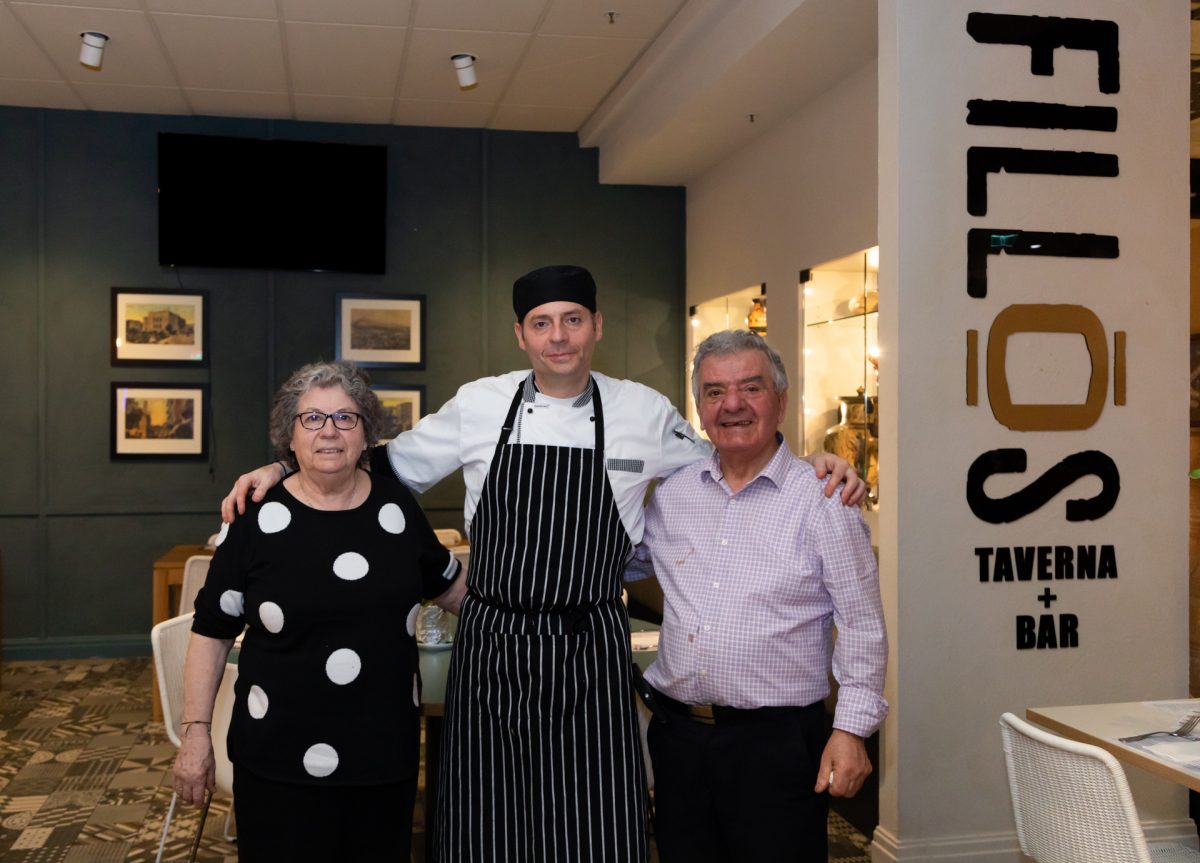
999	847
76	647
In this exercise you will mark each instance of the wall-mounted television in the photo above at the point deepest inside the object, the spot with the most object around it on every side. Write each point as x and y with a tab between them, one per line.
283	205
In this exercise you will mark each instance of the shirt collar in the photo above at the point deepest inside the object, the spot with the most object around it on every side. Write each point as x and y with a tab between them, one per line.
775	470
530	392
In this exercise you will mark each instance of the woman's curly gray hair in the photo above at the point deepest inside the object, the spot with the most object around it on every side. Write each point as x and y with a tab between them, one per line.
733	342
320	375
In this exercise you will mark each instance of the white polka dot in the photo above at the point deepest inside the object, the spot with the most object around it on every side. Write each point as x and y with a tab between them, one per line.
256	702
271	616
221	534
273	517
343	666
416	691
233	603
411	623
351	566
321	759
391	518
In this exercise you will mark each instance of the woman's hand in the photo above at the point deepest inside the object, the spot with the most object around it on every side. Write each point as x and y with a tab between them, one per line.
195	765
260	480
452	599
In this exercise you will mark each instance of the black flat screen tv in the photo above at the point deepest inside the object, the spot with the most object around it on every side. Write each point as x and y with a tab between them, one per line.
270	204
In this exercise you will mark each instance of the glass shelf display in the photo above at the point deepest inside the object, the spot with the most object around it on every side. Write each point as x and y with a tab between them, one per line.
841	362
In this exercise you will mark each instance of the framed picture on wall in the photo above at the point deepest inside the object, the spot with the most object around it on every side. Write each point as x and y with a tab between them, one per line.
402	407
381	330
159	327
159	421
1195	402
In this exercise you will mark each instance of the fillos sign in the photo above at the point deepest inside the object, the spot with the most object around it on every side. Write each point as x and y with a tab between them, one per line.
1044	568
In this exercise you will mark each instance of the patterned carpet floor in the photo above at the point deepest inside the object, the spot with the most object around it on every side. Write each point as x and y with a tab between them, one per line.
85	773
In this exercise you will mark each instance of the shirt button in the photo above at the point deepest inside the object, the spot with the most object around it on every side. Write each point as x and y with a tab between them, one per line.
724	542
716	584
707	627
703	673
529	410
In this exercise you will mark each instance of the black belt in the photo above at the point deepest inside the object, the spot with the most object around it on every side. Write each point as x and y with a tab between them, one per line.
720	714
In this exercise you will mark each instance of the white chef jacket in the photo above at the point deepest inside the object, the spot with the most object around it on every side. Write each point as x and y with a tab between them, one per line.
644	437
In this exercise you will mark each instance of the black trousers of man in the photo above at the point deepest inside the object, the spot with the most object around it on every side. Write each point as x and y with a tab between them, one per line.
739	789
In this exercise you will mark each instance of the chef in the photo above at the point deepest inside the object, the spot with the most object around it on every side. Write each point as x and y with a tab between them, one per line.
540	748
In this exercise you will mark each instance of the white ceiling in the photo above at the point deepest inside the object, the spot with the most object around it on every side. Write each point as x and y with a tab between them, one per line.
663	88
544	65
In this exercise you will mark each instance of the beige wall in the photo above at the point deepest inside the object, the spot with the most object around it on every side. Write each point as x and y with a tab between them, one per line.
795	198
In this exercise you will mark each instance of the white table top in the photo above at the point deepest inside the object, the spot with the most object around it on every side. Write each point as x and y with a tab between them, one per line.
1174	758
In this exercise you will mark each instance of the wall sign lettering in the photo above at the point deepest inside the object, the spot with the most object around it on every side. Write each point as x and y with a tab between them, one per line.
1065	563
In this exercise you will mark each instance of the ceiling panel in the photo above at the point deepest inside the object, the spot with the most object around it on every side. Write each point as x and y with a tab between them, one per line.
38	94
388	13
224	53
228	8
133	55
125	97
226	103
634	19
422	112
105	4
429	74
343	109
20	55
570	71
512	16
538	119
340	60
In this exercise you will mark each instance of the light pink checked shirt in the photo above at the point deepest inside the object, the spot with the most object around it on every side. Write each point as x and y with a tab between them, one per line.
754	583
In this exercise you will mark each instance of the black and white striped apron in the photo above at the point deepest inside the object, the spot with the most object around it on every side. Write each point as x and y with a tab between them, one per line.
540	757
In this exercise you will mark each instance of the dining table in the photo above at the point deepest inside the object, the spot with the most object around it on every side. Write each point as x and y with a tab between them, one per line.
1166	746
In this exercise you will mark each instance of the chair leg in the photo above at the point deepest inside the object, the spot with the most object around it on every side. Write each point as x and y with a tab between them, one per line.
166	826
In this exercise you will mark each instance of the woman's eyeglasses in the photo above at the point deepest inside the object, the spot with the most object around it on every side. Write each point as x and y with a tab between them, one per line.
315	420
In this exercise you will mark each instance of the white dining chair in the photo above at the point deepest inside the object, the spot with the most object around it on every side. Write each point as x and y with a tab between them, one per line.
168	642
195	571
1072	803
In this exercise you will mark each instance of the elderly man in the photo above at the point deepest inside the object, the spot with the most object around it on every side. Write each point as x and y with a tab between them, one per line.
756	567
540	757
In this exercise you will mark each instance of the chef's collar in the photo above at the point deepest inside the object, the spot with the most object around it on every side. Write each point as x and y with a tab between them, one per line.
582	400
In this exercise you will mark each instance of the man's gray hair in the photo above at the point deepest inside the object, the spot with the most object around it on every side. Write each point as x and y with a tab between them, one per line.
321	375
732	342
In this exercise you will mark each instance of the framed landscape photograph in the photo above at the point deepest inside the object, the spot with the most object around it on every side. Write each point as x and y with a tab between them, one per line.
158	421
381	330
159	328
402	407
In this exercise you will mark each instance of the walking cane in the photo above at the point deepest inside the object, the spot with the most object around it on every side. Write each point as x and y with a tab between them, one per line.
200	830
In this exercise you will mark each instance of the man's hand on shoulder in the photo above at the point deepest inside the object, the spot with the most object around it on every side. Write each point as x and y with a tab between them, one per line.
838	470
844	765
260	480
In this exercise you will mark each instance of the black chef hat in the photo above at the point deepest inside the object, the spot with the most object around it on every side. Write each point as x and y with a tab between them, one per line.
556	283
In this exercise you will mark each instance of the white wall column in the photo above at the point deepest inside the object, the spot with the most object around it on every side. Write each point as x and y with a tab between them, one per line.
972	108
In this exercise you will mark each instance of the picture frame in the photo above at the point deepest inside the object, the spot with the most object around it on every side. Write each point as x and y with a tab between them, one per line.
159	421
403	405
1195	397
381	330
159	327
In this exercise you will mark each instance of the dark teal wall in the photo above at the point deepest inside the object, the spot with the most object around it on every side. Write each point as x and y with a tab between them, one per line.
468	211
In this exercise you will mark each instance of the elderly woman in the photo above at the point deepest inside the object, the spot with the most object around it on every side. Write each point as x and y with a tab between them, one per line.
326	572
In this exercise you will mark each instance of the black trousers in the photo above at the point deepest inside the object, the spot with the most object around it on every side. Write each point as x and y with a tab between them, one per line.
280	821
741	790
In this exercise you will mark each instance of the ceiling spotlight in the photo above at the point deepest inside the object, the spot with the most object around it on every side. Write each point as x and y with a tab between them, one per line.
464	68
91	53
